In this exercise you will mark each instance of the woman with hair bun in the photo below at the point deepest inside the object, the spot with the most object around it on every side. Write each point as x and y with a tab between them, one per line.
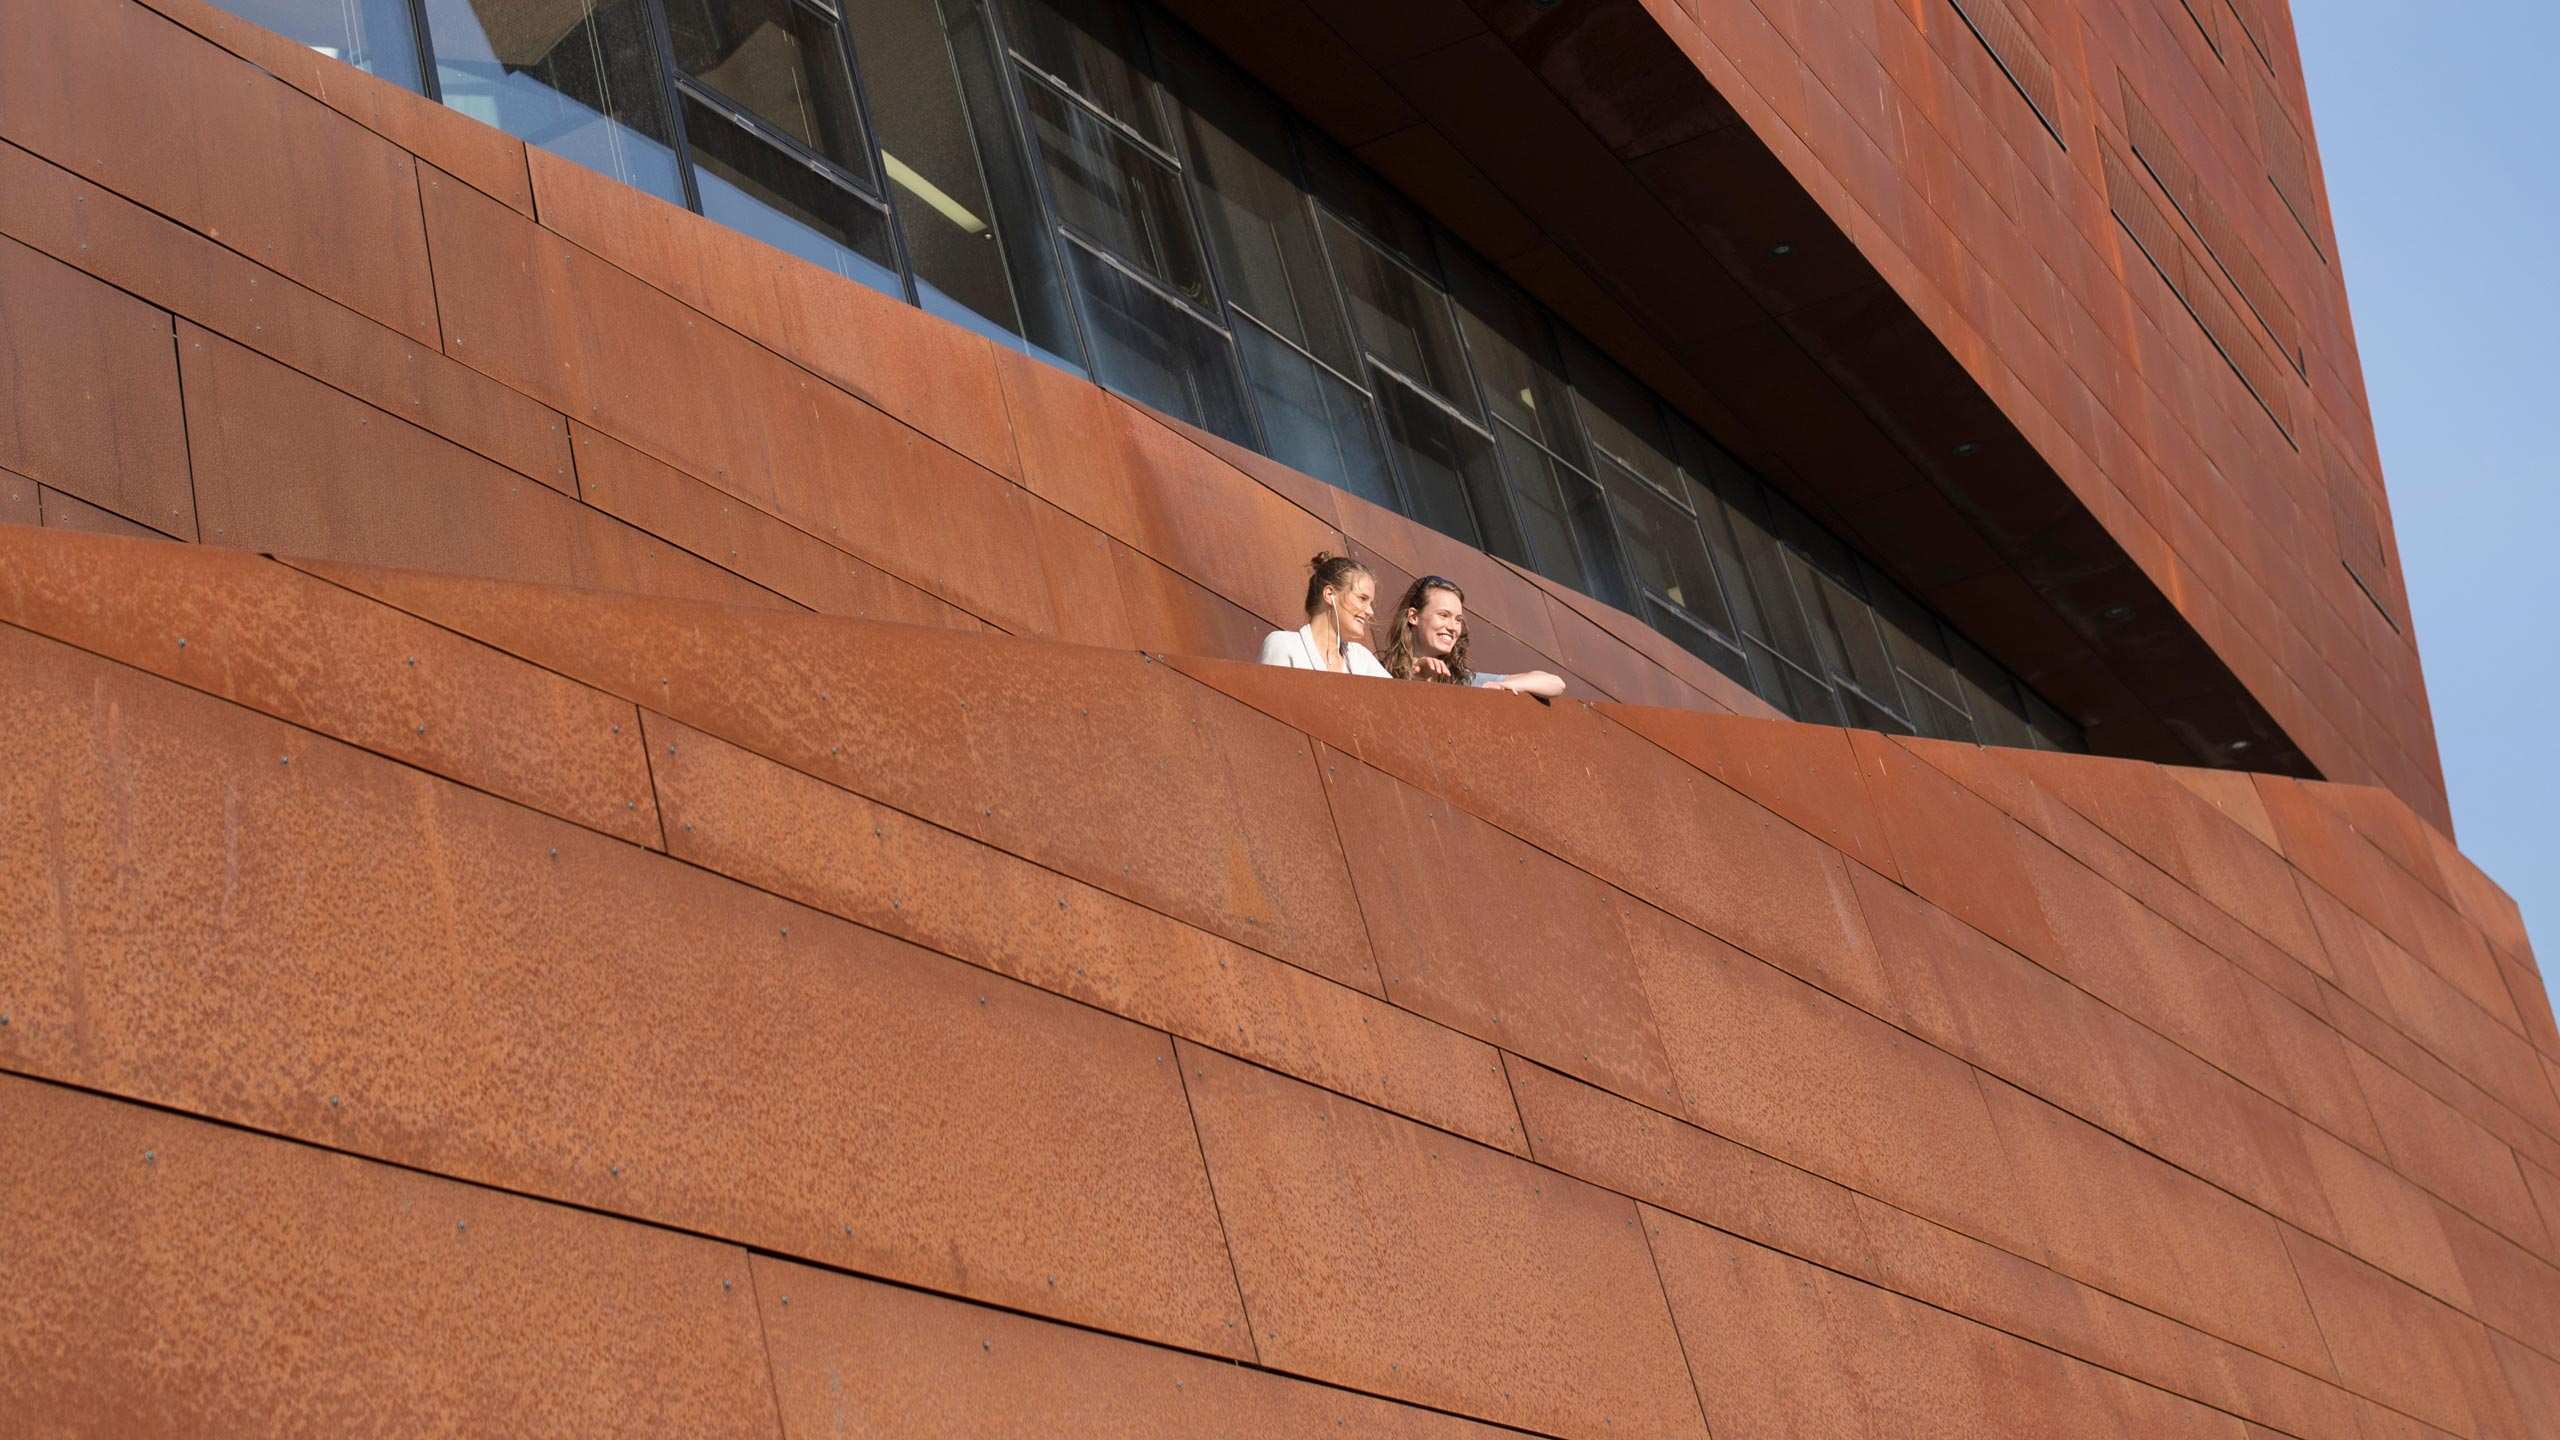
1341	597
1427	640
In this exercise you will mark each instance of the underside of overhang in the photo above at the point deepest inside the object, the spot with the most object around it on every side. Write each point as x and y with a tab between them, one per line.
1581	149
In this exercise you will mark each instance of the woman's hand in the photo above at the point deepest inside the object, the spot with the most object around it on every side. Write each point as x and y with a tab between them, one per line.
1432	665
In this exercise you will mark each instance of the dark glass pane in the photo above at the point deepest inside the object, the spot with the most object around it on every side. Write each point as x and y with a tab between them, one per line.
577	78
1116	194
1938	718
1349	189
1030	259
751	185
1403	319
1844	625
1538	501
1153	350
929	153
2051	729
1700	641
1999	717
1865	714
1805	697
1451	480
1312	418
1261	230
1092	47
374	36
1913	634
780	61
1515	355
1662	547
1772	592
1621	417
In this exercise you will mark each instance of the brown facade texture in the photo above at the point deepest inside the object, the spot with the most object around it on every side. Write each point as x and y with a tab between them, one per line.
2037	299
608	937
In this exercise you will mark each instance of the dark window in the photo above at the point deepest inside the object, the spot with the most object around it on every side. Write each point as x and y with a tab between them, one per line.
759	189
577	78
1154	350
1115	192
931	169
1312	418
780	61
1450	478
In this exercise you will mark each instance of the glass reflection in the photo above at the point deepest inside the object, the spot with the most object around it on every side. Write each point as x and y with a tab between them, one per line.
375	36
577	77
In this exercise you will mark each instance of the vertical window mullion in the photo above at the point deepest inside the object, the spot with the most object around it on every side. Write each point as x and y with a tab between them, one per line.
662	39
876	155
1018	113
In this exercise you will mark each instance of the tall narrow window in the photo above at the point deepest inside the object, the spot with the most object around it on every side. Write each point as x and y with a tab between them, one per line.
957	235
1133	255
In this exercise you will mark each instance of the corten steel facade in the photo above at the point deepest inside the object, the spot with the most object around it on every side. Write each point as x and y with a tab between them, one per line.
601	936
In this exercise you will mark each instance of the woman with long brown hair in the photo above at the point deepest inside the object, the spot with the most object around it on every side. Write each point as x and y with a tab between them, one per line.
1427	640
1342	597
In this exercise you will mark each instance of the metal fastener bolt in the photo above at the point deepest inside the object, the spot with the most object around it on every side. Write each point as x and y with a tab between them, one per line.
150	1157
333	1102
555	852
182	642
460	1226
422	729
284	759
724	1285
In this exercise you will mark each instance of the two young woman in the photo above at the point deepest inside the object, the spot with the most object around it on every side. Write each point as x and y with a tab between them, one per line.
1426	636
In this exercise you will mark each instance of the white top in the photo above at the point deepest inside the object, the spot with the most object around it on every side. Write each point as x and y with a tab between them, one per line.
1296	650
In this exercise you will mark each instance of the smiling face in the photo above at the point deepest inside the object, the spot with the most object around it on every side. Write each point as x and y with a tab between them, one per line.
1353	605
1437	623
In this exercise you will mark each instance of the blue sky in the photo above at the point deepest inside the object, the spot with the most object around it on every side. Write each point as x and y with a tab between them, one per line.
2434	126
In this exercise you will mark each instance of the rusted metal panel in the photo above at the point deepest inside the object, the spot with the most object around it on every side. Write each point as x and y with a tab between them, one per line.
93	382
1392	1259
275	174
1034	748
779	830
298	648
166	264
392	965
173	1277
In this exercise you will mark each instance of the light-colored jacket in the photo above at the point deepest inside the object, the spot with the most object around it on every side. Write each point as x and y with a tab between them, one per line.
1296	650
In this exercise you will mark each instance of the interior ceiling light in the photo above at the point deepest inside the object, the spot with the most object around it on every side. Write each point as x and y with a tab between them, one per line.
931	194
2237	746
1967	449
1782	248
2117	613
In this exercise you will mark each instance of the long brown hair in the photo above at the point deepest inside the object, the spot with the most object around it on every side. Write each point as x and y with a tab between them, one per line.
1400	657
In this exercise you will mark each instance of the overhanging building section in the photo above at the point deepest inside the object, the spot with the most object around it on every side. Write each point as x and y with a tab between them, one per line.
2037	303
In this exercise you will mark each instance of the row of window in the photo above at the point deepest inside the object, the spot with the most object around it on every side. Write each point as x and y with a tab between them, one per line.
1086	181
